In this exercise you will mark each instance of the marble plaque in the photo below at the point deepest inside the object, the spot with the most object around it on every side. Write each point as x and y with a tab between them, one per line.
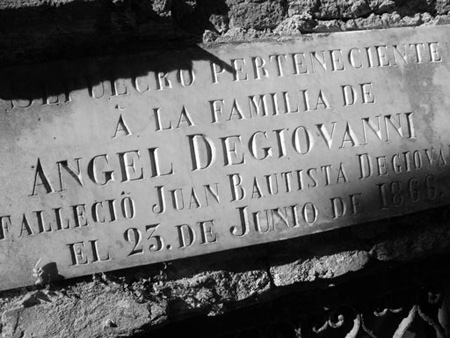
116	162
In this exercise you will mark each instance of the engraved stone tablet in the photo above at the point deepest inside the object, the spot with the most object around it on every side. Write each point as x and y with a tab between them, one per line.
119	162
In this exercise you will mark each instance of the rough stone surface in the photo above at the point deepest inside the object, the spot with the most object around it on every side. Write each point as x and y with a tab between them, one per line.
413	244
442	7
82	312
296	23
342	9
126	302
324	267
255	14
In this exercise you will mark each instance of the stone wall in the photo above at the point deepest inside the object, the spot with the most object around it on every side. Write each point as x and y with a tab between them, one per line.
33	31
139	300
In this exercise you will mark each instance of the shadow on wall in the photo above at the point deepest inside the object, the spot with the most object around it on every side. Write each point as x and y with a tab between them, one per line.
45	82
78	29
74	38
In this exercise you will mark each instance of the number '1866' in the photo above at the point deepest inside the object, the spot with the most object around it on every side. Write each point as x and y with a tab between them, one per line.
397	193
